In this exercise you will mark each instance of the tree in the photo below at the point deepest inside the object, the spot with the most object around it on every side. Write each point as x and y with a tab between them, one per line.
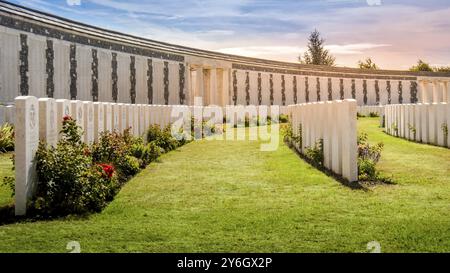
442	69
316	53
421	66
367	64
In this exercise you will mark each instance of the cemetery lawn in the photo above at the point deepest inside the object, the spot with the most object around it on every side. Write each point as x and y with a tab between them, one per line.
214	196
5	170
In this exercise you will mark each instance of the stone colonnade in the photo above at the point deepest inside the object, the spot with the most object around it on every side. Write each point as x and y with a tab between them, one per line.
434	90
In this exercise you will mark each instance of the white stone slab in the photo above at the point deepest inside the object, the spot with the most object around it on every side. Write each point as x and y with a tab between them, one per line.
48	131
88	117
99	118
26	144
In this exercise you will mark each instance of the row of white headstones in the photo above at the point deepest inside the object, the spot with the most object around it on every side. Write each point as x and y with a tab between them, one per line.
333	122
41	119
427	123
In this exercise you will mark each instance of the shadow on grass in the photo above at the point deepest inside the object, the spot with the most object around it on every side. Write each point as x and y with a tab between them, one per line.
358	185
7	216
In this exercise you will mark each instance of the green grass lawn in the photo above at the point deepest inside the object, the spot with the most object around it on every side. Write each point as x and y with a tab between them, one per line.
5	170
212	196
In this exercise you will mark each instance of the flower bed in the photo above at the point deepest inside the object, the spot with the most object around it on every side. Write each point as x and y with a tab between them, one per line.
78	178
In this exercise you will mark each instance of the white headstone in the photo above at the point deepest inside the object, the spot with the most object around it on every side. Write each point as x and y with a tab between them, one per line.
107	121
136	118
62	109
141	119
116	117
99	117
77	113
88	118
336	138
123	117
26	144
349	140
130	117
48	130
441	122
432	125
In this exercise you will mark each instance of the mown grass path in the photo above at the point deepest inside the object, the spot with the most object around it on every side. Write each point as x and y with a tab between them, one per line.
212	196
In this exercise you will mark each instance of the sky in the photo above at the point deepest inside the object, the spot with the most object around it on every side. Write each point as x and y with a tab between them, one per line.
394	33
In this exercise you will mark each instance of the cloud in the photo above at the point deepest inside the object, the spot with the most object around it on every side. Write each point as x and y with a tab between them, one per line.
73	2
351	49
290	53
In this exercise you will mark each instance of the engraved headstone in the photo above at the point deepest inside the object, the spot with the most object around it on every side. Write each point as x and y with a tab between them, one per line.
48	131
107	121
62	110
26	144
99	117
88	118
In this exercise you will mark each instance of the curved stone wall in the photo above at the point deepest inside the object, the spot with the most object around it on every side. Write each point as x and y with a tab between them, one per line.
48	56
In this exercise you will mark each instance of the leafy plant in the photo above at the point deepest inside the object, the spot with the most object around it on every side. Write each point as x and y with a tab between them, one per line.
374	115
368	157
394	129
283	118
68	179
444	128
413	130
315	153
6	138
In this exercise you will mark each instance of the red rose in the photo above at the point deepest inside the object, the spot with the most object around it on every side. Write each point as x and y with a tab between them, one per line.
66	118
107	169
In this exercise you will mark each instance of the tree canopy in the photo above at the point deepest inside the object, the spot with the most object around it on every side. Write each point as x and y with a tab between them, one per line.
368	64
421	66
316	53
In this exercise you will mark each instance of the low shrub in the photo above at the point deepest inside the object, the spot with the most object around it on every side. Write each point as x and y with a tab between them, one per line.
374	115
413	130
289	137
145	153
162	138
315	153
368	157
6	138
283	118
69	182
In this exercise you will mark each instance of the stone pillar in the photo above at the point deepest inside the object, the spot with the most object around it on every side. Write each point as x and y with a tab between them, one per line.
187	85
26	144
436	97
199	88
423	84
99	117
445	92
225	87
48	131
213	90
